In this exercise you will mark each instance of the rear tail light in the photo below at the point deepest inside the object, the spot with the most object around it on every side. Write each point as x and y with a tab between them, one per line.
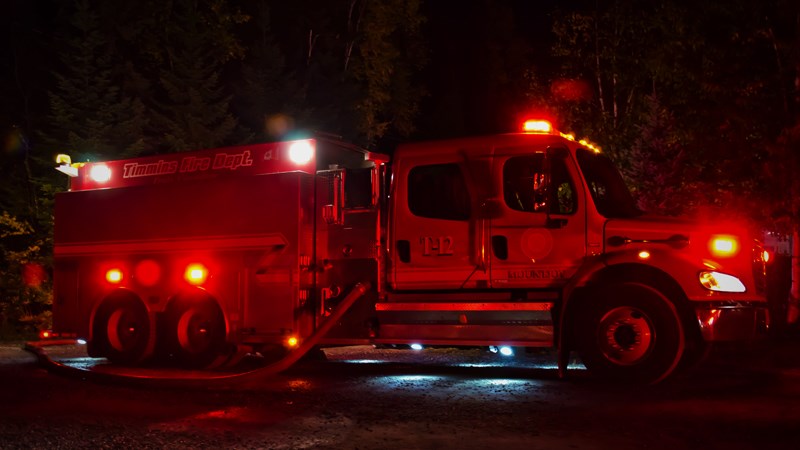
114	276
147	272
196	274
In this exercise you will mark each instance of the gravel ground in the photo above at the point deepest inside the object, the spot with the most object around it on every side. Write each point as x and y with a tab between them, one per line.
394	399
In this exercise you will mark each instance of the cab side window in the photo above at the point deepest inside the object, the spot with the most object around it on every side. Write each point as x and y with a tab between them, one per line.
438	191
526	186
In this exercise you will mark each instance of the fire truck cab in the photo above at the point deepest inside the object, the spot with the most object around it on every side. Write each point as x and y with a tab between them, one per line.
526	239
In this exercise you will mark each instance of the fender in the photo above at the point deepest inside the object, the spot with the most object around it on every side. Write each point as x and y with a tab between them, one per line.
660	262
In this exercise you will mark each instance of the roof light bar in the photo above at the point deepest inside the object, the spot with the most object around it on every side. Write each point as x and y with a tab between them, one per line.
537	126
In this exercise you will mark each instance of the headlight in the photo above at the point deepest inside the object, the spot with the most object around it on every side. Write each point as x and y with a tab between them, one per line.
720	282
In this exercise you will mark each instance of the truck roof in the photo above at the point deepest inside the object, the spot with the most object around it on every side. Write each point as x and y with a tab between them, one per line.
304	155
477	146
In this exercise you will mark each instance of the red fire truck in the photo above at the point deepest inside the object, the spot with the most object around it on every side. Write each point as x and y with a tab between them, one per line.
527	239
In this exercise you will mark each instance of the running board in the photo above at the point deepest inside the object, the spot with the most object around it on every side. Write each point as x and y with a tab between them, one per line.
468	335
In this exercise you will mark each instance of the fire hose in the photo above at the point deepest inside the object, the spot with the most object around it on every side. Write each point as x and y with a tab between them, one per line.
193	381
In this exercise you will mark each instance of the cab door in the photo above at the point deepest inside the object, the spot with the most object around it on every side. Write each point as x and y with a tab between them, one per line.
538	239
434	234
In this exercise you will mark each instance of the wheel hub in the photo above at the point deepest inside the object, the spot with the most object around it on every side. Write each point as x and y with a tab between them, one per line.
626	335
122	330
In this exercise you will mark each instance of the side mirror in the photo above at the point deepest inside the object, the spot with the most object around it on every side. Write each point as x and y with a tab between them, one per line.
333	212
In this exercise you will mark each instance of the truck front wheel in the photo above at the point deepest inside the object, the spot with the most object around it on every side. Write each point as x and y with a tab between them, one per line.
630	332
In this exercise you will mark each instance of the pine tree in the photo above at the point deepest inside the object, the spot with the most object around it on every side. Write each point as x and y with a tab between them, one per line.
268	98
358	65
659	165
384	68
90	116
192	107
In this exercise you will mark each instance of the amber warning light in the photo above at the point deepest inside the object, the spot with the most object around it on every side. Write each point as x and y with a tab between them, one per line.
724	246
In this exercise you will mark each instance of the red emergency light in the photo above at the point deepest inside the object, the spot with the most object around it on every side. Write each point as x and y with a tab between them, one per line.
196	274
114	276
537	126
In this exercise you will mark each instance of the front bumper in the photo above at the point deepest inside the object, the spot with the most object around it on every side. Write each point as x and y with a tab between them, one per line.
732	320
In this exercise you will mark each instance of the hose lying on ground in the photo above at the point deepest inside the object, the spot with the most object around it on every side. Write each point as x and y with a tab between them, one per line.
238	379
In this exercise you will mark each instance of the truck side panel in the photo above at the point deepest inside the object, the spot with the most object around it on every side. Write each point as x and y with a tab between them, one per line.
252	232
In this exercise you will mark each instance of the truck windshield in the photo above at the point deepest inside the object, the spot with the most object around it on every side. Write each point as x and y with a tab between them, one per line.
609	192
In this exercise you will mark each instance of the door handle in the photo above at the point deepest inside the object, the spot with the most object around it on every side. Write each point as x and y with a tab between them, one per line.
500	247
403	250
555	223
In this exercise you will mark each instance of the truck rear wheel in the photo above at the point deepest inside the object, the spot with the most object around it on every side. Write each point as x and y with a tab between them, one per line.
123	331
194	332
632	333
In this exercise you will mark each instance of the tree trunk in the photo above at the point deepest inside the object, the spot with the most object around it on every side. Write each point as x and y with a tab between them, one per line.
793	308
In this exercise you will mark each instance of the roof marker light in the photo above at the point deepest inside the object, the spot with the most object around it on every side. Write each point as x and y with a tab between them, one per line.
301	152
100	173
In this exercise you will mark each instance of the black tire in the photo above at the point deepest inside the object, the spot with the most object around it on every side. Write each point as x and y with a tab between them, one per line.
630	332
194	333
123	330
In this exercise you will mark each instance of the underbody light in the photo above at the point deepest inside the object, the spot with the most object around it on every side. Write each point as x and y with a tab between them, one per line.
721	282
81	341
416	346
506	350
